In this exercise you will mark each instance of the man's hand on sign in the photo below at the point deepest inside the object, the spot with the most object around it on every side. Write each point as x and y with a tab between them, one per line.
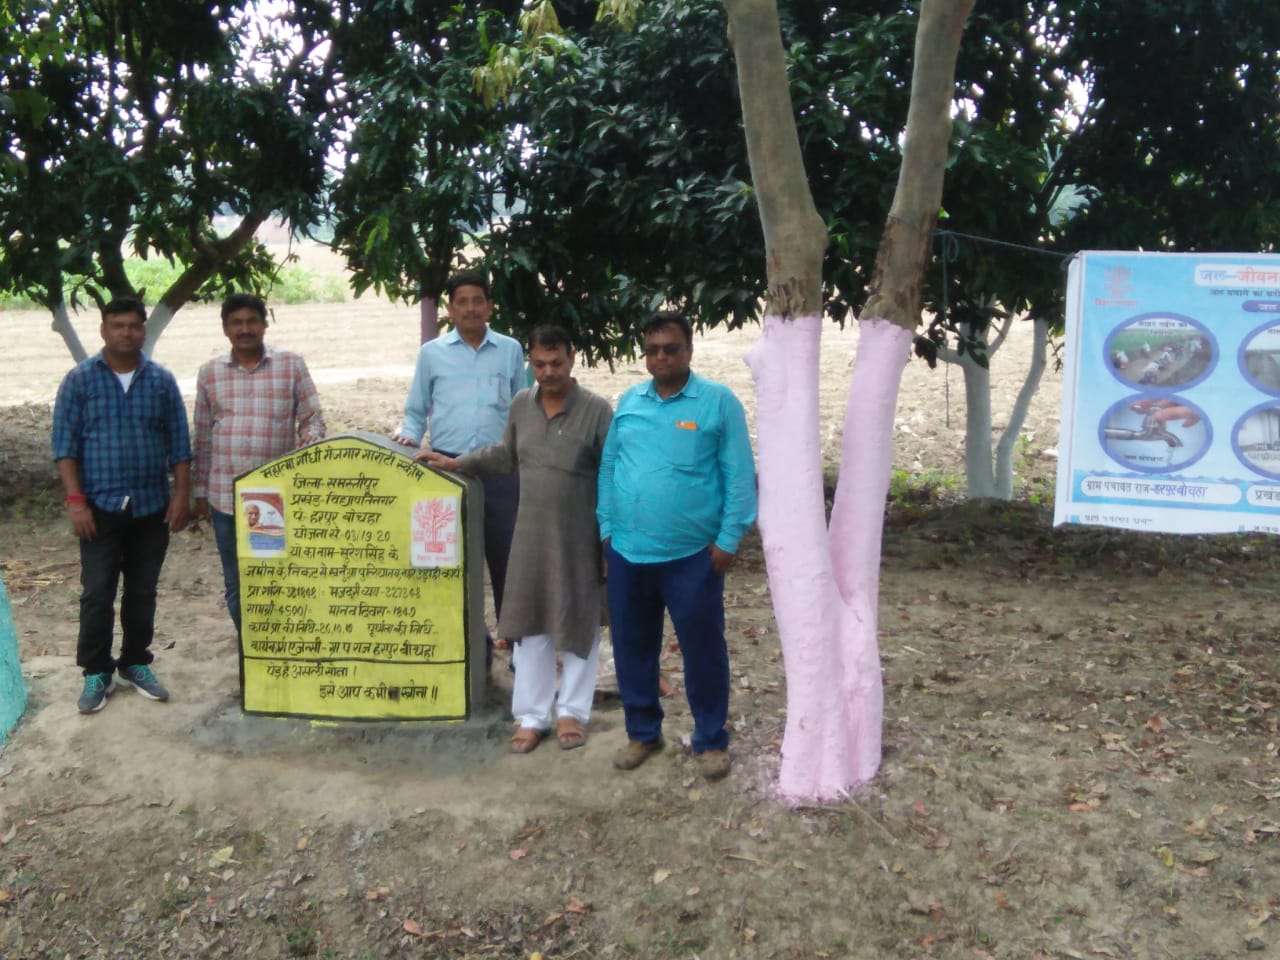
437	460
399	437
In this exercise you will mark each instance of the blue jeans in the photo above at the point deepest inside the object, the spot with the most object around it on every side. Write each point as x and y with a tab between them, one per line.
224	534
129	547
693	593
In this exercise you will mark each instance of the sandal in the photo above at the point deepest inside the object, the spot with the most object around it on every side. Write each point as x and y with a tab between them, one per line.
570	734
526	739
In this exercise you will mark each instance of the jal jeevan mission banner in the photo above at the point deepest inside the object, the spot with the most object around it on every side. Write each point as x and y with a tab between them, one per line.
1171	393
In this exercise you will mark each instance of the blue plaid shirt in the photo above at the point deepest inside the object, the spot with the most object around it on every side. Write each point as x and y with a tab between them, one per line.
125	443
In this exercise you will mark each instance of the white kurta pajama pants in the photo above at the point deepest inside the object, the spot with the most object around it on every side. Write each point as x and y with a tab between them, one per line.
534	691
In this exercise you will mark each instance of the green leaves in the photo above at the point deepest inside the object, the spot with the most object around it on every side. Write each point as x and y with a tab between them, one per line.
138	123
429	125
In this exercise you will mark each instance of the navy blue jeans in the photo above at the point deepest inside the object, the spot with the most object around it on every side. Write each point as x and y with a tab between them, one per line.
224	534
129	547
693	593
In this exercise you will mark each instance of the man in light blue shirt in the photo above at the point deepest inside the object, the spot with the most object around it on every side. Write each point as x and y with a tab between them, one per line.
462	388
677	494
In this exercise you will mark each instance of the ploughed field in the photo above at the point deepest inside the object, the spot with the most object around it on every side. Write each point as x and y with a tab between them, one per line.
1080	739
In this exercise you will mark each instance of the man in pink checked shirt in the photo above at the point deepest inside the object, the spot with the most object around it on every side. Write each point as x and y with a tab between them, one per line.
252	405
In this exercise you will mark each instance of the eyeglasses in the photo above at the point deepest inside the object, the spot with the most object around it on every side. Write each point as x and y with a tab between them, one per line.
666	349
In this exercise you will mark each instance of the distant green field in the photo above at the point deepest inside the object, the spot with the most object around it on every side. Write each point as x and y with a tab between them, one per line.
294	285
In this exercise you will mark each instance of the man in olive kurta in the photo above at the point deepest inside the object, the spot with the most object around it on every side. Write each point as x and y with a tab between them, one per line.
554	594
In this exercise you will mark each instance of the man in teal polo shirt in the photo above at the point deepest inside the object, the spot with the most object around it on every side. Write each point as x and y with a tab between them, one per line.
677	493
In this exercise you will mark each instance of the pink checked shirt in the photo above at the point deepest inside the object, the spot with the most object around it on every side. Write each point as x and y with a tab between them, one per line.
246	417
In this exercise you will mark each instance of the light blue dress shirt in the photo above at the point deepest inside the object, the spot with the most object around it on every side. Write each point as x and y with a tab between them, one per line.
463	391
676	475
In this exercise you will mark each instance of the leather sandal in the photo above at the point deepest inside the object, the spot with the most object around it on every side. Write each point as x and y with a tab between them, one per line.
570	734
526	739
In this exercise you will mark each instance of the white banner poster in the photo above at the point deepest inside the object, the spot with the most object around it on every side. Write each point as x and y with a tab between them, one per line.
1171	393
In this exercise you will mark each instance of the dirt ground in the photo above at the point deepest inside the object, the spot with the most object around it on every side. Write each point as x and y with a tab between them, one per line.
1080	741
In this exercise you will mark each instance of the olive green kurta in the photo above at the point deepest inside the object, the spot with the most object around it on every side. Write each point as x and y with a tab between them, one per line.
555	582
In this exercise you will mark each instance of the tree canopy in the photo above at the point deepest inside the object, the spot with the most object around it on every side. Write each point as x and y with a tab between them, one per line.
127	125
606	173
1084	126
417	179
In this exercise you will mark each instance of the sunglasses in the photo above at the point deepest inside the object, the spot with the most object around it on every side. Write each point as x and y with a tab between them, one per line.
666	349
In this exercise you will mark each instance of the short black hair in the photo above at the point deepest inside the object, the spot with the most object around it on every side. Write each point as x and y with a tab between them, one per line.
467	278
668	318
238	301
548	336
125	305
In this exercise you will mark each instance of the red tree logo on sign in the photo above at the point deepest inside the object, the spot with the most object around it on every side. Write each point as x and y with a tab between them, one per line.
435	525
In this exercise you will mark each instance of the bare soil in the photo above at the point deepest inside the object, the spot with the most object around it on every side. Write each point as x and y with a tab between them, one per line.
1080	740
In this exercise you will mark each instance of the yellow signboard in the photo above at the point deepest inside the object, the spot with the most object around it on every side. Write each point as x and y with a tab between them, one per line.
360	585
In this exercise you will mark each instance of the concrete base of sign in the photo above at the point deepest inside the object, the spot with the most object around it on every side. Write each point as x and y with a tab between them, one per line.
434	749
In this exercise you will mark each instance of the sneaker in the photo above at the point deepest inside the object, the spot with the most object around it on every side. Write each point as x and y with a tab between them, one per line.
96	688
144	679
636	753
713	764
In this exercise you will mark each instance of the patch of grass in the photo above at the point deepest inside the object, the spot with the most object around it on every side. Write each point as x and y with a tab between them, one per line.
1033	811
971	757
173	899
299	285
1035	489
928	487
301	938
257	843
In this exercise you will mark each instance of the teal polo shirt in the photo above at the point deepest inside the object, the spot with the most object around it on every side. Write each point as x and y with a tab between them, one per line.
676	475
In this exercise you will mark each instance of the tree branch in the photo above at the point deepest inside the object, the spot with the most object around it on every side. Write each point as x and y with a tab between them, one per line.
895	288
794	233
993	346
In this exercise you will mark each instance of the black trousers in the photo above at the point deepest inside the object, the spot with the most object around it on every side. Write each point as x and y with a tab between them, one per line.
501	499
128	546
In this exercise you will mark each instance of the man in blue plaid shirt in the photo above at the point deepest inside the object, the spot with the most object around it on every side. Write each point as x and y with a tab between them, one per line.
119	427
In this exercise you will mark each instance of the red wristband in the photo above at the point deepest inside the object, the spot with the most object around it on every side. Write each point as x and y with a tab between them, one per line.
75	498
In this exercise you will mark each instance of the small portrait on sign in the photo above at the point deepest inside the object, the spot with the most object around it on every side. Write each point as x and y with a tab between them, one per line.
434	529
263	514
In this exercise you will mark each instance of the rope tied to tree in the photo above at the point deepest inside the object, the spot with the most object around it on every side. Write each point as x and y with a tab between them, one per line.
949	252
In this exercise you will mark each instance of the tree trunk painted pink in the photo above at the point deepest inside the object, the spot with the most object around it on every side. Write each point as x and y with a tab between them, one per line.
825	583
429	318
825	580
